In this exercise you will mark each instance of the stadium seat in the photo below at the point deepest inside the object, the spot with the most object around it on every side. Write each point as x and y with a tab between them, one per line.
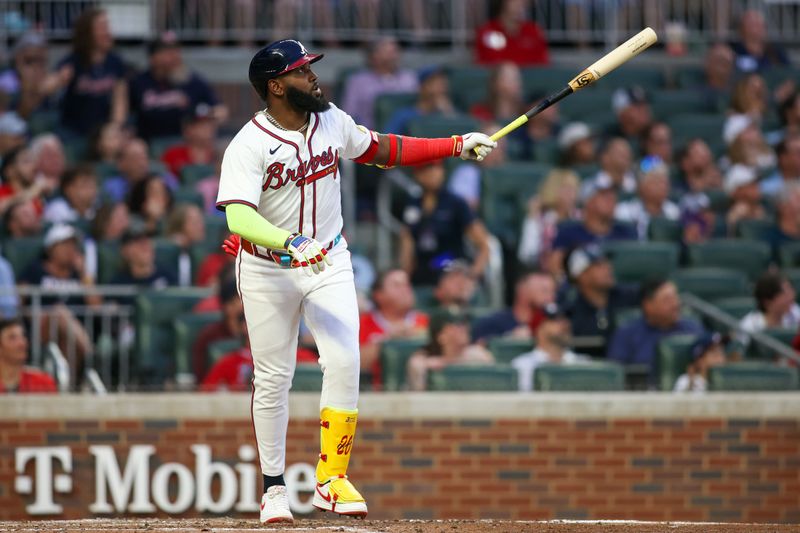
586	171
155	336
690	77
674	355
43	121
754	230
719	200
22	252
187	327
589	377
394	356
220	348
703	125
191	174
711	283
505	192
584	103
468	85
736	306
782	335
749	257
789	254
105	170
440	126
188	195
752	376
159	145
636	261
109	260
665	230
387	104
647	78
544	80
485	378
504	349
793	275
666	104
307	378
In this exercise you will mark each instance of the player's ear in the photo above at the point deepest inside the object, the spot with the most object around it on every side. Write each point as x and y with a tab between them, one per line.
275	87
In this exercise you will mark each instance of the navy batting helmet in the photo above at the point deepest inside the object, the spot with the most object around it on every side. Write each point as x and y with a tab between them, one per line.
275	59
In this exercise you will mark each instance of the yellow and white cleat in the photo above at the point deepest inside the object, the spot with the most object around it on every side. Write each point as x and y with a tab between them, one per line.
339	496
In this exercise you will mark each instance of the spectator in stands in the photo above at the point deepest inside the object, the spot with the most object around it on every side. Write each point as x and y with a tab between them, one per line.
510	36
657	141
230	326
15	377
233	371
505	98
696	163
217	259
465	181
576	145
789	111
13	133
719	67
788	171
139	265
533	292
652	199
593	305
553	338
633	112
95	89
111	222
555	203
78	199
775	307
433	99
134	166
198	146
18	172
22	219
150	200
449	345
383	75
163	94
455	287
616	162
753	52
707	351
787	227
599	199
750	97
544	126
741	184
226	274
746	144
435	227
49	159
9	300
392	317
698	219
635	342
26	83
107	143
186	227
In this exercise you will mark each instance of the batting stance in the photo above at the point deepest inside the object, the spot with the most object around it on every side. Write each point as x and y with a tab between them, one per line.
280	190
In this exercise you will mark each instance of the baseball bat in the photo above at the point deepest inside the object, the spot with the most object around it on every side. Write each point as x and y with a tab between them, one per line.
619	55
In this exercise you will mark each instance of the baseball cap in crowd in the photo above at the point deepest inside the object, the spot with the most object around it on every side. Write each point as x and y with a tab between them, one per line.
739	176
12	124
31	39
572	133
734	126
164	41
582	258
553	311
426	72
627	96
705	342
201	111
601	182
58	234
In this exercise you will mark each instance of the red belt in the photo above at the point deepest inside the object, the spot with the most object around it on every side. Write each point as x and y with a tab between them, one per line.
279	256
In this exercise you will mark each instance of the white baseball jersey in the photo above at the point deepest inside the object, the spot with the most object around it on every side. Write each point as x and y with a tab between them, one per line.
292	179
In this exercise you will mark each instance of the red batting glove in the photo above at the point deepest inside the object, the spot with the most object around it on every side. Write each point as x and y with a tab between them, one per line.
231	245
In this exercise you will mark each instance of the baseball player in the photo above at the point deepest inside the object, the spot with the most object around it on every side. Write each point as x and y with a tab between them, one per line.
280	190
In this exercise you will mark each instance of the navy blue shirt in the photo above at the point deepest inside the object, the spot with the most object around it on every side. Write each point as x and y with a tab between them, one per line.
494	325
438	235
773	56
159	106
636	341
158	279
588	320
571	236
86	103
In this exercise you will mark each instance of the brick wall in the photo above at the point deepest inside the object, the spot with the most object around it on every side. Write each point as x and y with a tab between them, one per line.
648	468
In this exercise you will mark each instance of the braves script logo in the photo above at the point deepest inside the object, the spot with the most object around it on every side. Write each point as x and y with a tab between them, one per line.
319	166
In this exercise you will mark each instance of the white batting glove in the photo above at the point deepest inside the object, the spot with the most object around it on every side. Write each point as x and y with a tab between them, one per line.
476	146
307	253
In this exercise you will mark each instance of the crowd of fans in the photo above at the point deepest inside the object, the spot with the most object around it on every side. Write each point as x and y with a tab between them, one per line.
130	159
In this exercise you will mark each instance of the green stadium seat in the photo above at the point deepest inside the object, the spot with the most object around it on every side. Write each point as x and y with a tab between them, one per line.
155	334
105	170
394	356
387	104
188	195
647	78
191	174
22	252
159	145
468	85
674	355
307	378
706	126
439	126
752	376
583	103
546	151
749	257
218	349
666	104
75	149
636	261
504	349
789	254
690	77
586	171
774	76
505	193
590	377
782	335
484	378
793	275
711	283
187	328
754	230
42	122
665	230
719	200
546	79
736	306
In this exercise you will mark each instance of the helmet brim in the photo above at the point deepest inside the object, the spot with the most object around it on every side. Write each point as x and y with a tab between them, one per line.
305	60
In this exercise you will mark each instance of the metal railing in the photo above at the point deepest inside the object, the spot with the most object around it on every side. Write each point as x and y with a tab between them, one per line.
423	22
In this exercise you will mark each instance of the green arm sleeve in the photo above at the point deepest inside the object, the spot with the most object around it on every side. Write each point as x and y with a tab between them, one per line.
245	221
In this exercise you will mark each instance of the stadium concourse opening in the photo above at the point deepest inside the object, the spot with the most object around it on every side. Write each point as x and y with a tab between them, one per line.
399	526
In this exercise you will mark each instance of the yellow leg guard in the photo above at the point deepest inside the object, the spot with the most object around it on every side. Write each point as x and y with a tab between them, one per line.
334	491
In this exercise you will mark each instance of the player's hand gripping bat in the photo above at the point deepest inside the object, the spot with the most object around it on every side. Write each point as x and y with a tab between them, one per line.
624	52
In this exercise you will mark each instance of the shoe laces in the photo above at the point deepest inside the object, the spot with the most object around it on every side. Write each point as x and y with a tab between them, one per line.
277	495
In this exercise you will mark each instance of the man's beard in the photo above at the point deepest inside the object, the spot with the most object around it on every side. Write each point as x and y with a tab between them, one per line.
306	101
